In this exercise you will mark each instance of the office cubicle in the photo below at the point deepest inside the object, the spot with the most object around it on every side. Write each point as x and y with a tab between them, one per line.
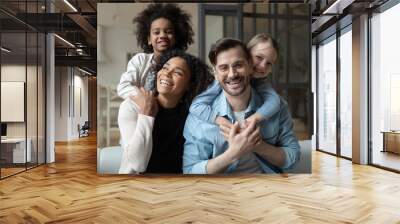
22	77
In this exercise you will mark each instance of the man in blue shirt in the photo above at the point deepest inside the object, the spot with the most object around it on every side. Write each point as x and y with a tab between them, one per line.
267	147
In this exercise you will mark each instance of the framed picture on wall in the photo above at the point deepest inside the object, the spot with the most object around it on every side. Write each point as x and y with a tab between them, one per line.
12	101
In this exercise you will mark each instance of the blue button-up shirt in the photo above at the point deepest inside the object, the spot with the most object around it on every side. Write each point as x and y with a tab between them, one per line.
204	140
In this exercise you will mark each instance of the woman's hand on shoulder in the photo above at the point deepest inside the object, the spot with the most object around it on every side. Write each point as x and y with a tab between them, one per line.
146	102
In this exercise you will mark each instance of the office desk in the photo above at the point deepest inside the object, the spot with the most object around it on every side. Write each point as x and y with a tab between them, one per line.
13	150
391	141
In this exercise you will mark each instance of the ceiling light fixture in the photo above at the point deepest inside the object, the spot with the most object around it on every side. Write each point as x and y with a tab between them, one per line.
80	51
64	40
337	7
70	5
84	71
5	49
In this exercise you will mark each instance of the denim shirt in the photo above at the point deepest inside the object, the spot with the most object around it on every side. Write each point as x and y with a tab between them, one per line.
201	105
204	140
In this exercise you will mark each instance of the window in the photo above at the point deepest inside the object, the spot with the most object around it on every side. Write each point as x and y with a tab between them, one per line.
385	87
327	96
346	94
334	94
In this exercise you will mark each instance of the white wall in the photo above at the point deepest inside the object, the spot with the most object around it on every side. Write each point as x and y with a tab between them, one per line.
61	103
214	27
80	83
68	80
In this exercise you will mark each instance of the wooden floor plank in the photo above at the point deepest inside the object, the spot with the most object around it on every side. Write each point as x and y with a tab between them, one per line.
70	191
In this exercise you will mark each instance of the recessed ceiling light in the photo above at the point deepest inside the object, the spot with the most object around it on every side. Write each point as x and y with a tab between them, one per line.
64	40
337	7
5	49
84	71
70	5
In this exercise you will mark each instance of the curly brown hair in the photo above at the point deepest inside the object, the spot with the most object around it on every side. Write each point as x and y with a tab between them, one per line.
201	75
179	18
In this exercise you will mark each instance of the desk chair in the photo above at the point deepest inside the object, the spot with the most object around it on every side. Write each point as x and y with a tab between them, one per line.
84	130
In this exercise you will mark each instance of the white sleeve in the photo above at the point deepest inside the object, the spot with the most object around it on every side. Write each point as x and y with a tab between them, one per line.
136	138
133	78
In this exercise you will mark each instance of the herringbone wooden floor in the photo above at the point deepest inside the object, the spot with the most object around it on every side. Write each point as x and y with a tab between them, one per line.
70	191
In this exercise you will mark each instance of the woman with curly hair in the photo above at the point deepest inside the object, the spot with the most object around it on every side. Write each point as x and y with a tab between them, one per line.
151	125
158	28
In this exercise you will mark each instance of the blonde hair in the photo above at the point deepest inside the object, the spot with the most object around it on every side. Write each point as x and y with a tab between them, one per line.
262	38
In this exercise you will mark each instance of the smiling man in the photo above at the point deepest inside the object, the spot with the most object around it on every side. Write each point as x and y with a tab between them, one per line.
267	147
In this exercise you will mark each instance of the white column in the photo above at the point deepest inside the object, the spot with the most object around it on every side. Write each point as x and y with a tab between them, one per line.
50	101
360	90
50	92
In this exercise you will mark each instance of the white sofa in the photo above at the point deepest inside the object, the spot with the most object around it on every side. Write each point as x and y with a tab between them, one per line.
109	159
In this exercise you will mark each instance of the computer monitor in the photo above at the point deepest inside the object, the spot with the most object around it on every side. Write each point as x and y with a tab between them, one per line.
3	129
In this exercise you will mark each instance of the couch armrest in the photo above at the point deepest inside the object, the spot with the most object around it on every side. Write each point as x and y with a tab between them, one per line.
109	160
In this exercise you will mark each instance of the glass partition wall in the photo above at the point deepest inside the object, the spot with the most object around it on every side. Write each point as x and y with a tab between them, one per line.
13	84
22	77
334	94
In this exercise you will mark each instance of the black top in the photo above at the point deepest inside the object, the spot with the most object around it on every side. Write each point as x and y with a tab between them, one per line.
168	140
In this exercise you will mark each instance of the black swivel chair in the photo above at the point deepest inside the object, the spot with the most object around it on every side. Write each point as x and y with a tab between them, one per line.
84	130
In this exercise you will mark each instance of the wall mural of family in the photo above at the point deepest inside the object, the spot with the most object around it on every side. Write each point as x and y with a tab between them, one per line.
180	115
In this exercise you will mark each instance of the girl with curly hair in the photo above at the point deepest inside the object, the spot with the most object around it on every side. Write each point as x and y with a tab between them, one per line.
158	28
151	125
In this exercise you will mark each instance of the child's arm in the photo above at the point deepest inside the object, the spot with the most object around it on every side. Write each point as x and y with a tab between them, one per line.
271	100
134	76
201	105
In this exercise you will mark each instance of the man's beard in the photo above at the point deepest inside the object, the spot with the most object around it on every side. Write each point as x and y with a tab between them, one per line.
243	82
